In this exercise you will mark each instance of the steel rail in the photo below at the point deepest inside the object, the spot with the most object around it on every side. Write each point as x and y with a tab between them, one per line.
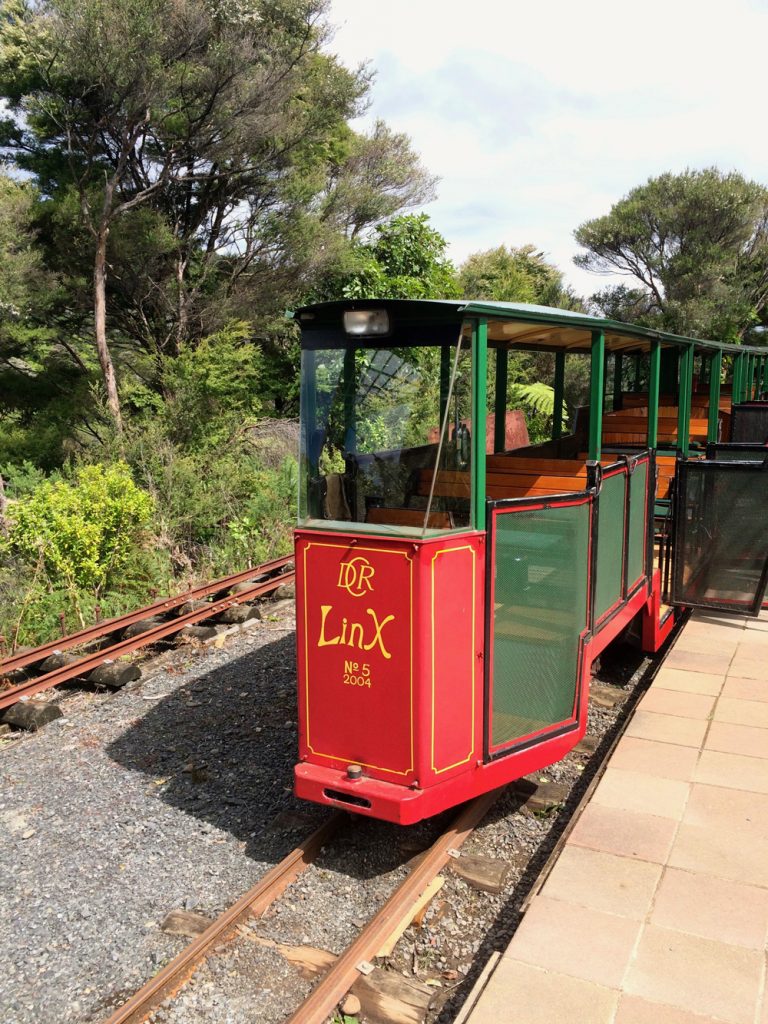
175	974
107	655
333	986
107	626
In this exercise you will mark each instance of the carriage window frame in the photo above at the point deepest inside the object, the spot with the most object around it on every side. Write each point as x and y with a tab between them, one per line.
462	331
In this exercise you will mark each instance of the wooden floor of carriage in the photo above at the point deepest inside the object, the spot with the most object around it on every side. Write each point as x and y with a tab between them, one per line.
656	911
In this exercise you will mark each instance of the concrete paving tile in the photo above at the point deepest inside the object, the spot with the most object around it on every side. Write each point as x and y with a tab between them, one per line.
603	881
552	935
686	732
625	833
737	739
698	975
530	995
689	682
742	712
710	662
753	639
712	908
716	853
732	770
635	791
752	666
661	760
728	810
745	689
707	639
634	1010
727	620
673	702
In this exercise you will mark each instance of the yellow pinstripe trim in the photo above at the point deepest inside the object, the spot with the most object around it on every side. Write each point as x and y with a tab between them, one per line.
435	556
386	551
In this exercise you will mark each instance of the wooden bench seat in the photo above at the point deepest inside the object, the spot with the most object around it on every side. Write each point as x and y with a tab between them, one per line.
635	400
509	477
390	516
632	428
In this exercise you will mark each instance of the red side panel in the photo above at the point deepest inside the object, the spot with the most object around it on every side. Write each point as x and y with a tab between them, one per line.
356	606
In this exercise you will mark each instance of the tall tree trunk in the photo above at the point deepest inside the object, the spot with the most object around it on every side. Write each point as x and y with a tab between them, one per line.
183	309
3	509
100	323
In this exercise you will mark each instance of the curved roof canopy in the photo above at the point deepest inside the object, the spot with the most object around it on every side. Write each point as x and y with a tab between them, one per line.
520	325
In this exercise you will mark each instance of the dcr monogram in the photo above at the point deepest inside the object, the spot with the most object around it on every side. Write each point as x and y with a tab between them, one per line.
355	576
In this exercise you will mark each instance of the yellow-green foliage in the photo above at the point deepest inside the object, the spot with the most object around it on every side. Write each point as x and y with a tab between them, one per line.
83	534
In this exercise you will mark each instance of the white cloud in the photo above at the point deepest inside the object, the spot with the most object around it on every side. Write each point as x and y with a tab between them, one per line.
537	117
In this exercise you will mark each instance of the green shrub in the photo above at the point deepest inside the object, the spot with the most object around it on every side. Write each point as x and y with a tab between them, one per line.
84	534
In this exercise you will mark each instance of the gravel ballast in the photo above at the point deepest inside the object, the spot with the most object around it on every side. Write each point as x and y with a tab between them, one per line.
161	796
176	793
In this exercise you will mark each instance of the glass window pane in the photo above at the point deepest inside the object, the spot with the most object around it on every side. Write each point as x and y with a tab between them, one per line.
371	419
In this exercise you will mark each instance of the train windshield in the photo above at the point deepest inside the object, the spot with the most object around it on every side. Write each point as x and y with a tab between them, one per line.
385	436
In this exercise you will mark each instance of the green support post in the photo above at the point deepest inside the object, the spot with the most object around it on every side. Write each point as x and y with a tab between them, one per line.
751	359
557	414
734	380
500	403
738	378
654	377
479	415
765	374
618	366
715	368
684	400
350	389
596	387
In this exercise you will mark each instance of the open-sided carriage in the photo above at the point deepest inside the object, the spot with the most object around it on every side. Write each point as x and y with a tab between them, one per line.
452	593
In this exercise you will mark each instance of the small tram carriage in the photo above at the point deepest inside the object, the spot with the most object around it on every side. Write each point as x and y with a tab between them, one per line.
453	590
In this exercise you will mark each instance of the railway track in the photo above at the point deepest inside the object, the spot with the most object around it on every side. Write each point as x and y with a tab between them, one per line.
381	930
105	643
353	962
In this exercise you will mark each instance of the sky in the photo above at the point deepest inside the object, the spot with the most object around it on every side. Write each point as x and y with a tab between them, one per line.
538	116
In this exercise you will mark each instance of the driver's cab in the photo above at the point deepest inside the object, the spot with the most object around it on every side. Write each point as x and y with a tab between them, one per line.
386	404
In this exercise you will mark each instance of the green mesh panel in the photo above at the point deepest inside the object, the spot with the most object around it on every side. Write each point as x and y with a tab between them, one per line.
540	610
740	453
610	543
637	503
721	538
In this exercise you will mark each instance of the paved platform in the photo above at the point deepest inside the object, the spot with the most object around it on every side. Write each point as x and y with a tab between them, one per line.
656	911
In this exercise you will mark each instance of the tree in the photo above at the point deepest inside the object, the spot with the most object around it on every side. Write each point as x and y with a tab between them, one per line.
515	275
374	177
695	243
194	106
43	377
404	259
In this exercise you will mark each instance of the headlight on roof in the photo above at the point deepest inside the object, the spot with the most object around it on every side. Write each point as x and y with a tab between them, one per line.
366	322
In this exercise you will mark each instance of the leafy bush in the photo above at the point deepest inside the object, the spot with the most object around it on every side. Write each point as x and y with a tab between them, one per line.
82	534
213	386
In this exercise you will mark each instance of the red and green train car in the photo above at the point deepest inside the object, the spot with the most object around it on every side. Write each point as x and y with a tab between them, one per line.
452	593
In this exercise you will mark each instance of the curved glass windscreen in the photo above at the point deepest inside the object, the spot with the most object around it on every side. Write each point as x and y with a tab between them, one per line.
385	435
